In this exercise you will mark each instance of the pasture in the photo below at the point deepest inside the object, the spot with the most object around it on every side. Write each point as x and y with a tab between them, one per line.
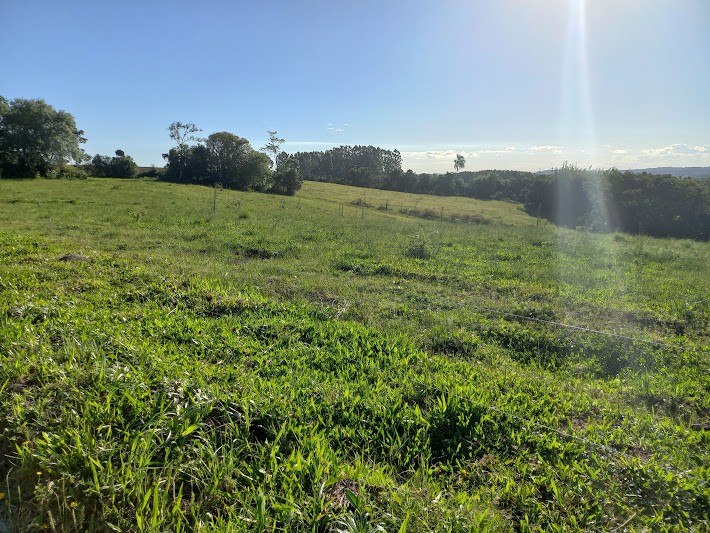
343	360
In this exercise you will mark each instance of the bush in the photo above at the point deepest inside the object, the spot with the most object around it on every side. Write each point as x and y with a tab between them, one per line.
151	172
121	166
72	173
419	248
287	179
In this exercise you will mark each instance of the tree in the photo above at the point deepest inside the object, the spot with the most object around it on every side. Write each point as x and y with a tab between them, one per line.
223	158
191	166
365	166
257	172
287	179
282	159
272	147
182	133
35	138
100	165
228	155
121	166
459	162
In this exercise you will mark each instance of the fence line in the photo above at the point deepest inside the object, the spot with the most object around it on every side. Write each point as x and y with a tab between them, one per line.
589	443
589	330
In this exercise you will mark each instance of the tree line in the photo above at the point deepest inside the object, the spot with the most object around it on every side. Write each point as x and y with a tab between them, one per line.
229	160
614	200
360	166
597	200
37	140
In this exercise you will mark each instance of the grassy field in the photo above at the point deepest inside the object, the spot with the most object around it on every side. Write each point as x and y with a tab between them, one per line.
343	360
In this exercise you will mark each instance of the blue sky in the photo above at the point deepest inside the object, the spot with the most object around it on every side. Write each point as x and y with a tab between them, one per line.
521	84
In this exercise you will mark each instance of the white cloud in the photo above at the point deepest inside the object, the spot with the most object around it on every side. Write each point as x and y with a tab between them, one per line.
497	151
438	154
545	148
339	129
677	149
550	148
534	157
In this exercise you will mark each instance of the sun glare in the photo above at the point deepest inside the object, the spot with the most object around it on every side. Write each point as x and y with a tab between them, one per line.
577	120
577	130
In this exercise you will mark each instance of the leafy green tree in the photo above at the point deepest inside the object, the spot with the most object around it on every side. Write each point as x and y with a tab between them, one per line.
459	162
282	159
273	147
227	159
223	158
287	179
189	166
100	165
120	166
123	167
257	173
35	138
198	165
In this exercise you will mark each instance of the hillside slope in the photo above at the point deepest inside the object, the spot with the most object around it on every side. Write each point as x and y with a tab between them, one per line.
343	360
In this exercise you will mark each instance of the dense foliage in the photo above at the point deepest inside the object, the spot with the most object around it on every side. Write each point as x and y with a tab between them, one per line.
287	179
36	139
612	200
229	160
662	206
361	166
119	166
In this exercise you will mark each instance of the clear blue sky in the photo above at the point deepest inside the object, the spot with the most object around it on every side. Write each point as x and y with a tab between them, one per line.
522	84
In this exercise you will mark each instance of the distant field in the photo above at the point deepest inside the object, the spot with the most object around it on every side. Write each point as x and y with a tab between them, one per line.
343	360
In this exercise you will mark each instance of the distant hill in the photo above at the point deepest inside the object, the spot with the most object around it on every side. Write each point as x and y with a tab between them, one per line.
680	172
690	172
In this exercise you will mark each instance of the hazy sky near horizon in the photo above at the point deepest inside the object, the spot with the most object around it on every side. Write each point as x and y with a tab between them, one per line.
519	84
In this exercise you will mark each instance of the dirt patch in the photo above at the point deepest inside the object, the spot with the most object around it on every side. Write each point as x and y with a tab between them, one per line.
73	257
336	494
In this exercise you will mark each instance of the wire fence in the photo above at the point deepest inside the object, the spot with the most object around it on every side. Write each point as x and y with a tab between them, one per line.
608	450
553	323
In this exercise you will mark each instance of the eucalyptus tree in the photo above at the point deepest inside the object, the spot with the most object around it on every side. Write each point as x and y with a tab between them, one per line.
273	147
181	133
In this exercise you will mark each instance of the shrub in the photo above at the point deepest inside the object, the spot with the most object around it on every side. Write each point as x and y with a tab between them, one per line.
419	248
72	173
287	179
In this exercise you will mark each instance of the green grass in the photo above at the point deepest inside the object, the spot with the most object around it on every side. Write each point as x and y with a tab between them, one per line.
315	364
